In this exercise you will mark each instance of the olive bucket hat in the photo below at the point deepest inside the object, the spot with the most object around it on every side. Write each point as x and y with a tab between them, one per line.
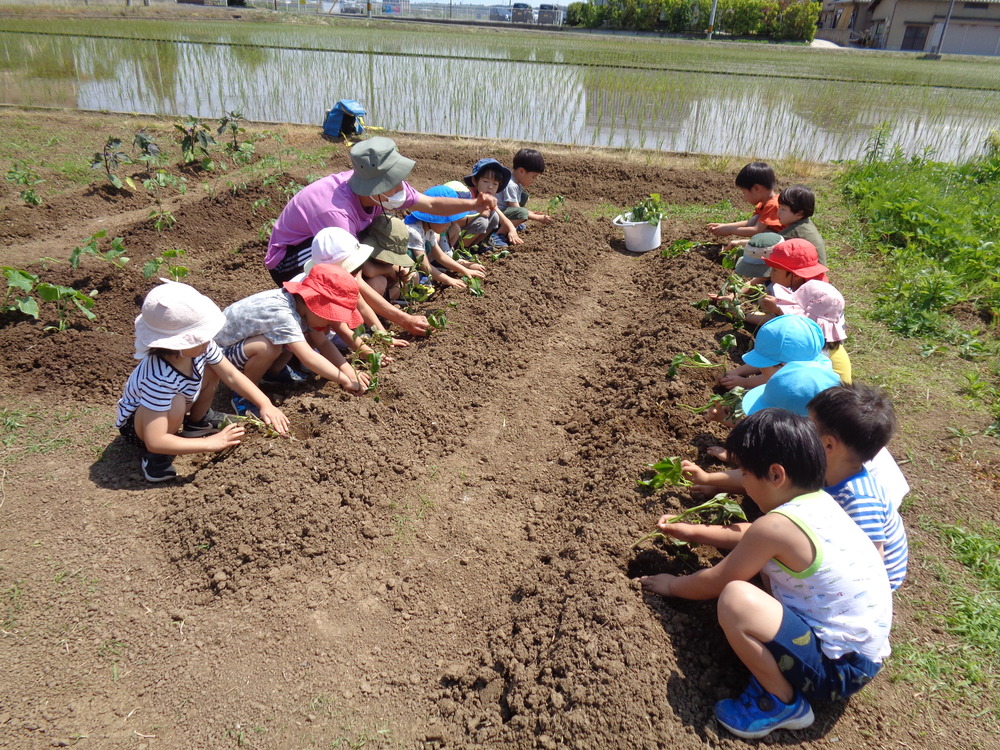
378	166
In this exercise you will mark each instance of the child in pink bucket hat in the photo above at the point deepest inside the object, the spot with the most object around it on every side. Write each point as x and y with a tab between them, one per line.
179	362
823	303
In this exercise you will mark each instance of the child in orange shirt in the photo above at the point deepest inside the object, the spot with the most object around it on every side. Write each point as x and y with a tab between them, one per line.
756	180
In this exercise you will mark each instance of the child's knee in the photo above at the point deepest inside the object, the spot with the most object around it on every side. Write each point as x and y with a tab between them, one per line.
736	599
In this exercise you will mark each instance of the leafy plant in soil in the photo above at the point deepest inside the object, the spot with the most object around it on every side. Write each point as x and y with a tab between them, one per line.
26	178
149	151
475	286
677	248
668	472
240	153
115	255
67	301
18	294
732	400
155	185
650	209
733	300
437	319
499	255
110	159
195	141
719	511
689	360
379	342
175	272
726	343
555	203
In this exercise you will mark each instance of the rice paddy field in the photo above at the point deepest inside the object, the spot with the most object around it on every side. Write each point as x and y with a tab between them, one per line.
721	98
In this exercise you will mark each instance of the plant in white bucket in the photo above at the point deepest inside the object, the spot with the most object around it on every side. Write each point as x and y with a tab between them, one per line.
642	224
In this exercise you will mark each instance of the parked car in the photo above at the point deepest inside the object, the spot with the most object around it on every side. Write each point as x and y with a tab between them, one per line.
354	9
522	13
499	13
549	14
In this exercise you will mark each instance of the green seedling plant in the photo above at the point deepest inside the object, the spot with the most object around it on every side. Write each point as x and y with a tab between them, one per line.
379	342
159	181
240	153
731	258
733	295
650	209
667	472
115	256
677	248
557	202
111	158
165	263
732	400
719	511
149	151
18	294
689	360
26	178
475	285
67	301
195	141
726	343
437	319
499	255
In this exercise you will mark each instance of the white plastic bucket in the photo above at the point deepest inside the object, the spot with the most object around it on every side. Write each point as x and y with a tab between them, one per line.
640	236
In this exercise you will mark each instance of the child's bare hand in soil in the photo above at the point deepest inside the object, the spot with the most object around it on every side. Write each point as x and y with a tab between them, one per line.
693	472
452	281
682	532
274	418
418	325
514	238
544	219
734	381
658	584
358	387
473	269
717	414
227	437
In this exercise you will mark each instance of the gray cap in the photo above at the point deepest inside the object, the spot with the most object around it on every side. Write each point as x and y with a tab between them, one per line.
378	166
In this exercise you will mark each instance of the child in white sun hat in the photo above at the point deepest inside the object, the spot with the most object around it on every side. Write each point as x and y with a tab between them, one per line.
173	340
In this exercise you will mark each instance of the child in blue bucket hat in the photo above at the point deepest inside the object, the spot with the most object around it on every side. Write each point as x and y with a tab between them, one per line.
488	177
429	243
788	338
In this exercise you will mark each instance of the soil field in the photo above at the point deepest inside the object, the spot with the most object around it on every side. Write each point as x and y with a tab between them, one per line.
451	566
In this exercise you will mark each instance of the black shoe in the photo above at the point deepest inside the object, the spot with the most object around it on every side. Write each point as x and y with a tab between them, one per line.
157	467
211	423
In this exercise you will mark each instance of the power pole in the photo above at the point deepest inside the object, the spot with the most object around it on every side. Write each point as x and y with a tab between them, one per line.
711	19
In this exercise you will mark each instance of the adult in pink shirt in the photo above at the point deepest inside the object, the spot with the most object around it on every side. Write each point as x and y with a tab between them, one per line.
352	200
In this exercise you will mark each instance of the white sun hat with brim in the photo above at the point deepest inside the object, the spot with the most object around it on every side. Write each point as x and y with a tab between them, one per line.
176	316
378	166
340	248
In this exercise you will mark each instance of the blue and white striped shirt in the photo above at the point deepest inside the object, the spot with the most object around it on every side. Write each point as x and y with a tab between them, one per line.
154	383
862	498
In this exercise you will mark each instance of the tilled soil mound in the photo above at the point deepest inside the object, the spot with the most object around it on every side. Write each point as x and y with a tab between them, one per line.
450	565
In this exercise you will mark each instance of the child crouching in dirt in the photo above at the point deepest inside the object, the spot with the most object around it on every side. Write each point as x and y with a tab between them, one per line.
823	630
428	236
263	331
173	338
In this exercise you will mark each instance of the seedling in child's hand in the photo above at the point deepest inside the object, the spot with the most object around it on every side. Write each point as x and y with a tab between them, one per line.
732	400
719	511
668	471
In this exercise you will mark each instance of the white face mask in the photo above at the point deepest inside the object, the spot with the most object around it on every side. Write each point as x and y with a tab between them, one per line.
394	201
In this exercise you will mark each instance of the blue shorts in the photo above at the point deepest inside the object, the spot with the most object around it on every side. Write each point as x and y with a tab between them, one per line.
803	663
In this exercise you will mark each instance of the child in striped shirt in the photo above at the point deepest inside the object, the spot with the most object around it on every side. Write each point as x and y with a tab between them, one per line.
855	423
173	340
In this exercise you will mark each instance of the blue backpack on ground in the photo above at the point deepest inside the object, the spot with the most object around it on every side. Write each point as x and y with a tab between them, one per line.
345	118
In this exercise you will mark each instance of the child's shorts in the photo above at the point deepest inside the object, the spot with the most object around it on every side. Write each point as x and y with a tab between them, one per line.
483	225
236	354
128	432
803	663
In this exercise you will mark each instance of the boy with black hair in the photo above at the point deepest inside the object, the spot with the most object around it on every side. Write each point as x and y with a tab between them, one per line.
854	423
488	177
756	181
513	200
796	204
823	631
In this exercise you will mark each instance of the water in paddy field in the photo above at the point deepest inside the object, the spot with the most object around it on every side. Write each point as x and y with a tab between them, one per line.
491	98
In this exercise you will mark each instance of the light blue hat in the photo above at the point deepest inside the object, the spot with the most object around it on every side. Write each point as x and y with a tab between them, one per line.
438	191
792	387
787	338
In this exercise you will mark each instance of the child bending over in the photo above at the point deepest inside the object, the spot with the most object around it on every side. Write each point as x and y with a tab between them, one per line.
428	235
820	630
488	178
263	331
756	181
173	340
823	303
787	338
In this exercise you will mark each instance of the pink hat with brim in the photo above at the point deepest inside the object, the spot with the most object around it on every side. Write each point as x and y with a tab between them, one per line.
823	303
330	292
176	316
797	256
